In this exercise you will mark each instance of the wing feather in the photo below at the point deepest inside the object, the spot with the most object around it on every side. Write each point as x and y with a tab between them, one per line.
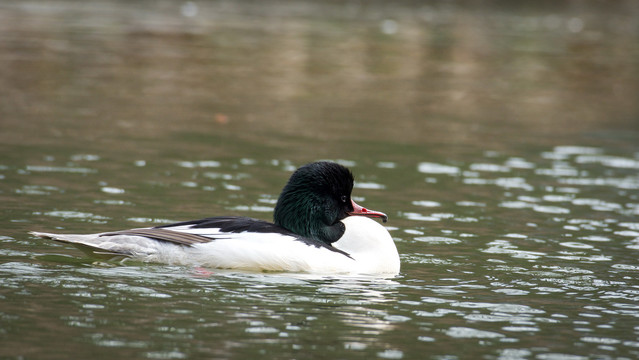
176	237
190	233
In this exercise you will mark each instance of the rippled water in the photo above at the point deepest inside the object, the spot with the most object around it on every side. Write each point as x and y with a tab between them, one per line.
503	142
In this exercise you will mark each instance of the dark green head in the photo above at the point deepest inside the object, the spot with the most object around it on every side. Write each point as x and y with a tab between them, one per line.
315	199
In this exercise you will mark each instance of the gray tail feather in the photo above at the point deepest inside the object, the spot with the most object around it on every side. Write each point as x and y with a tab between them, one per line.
88	249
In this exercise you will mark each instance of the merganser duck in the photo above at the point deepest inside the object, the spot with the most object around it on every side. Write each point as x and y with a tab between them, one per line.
317	228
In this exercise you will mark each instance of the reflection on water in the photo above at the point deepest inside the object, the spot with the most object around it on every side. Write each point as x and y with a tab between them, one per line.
500	139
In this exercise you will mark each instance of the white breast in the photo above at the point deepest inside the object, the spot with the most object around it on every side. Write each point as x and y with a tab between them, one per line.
370	245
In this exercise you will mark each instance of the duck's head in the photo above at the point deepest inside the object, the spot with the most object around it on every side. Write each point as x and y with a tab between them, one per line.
316	198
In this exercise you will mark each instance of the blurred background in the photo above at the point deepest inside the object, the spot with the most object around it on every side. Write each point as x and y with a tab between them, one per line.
443	76
501	137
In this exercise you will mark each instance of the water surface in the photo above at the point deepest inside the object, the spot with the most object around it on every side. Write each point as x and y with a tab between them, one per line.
502	140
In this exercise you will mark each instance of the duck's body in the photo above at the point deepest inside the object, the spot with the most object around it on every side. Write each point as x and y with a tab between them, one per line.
251	250
313	232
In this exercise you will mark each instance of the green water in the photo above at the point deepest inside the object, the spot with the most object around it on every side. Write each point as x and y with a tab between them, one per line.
502	141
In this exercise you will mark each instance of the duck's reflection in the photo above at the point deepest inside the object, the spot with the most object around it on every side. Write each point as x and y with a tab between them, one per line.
356	309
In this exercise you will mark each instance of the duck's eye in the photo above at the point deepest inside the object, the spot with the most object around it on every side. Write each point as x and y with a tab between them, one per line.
344	198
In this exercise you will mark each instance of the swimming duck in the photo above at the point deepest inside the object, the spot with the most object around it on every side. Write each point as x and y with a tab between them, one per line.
317	228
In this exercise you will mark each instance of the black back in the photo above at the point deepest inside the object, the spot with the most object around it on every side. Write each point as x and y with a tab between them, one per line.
236	224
